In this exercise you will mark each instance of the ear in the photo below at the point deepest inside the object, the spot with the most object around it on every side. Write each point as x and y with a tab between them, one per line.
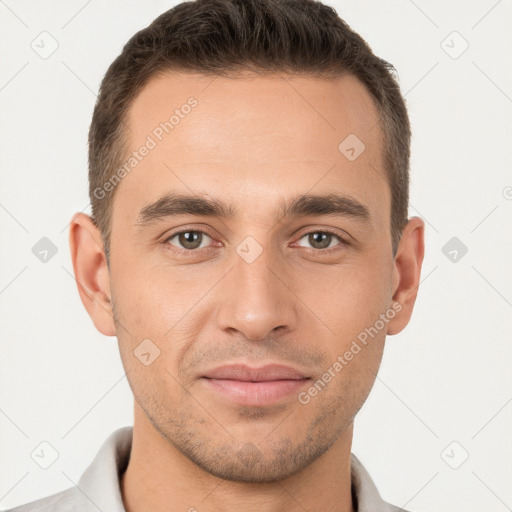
406	273
91	272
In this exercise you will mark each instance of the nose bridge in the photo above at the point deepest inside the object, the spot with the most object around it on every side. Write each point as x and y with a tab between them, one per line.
254	300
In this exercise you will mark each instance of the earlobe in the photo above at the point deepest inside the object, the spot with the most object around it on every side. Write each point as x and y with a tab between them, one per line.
406	273
91	272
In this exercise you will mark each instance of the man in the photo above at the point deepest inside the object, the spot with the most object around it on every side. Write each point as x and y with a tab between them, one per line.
250	248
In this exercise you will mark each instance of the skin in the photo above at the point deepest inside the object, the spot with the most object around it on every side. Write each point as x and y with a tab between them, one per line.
253	141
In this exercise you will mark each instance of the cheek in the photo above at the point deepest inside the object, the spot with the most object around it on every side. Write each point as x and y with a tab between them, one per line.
351	304
351	369
153	299
349	299
161	311
335	397
155	387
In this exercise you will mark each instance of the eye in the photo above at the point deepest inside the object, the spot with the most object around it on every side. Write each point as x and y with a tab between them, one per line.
189	240
322	240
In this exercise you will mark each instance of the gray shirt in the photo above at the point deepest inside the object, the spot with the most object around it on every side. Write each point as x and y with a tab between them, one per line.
99	486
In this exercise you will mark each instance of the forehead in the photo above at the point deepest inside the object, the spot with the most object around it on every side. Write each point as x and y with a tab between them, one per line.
252	138
229	109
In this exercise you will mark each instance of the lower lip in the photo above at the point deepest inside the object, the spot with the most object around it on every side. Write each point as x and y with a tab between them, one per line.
255	393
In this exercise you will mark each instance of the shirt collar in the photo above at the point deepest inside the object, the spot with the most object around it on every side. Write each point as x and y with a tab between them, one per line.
100	482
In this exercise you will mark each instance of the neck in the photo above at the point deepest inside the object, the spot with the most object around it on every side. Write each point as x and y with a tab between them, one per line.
160	478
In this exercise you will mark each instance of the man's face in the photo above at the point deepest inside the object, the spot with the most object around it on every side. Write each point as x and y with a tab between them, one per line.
256	288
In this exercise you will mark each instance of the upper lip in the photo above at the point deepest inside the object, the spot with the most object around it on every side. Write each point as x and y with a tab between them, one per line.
243	372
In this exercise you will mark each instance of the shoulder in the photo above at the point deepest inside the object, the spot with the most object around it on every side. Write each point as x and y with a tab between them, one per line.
364	491
69	500
98	487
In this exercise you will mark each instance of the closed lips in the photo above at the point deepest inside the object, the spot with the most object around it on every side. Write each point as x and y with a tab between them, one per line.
271	372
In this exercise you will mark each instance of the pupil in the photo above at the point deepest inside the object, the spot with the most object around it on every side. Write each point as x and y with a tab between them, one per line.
189	239
323	239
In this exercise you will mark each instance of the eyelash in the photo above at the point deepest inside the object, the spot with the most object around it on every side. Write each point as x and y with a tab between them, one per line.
193	252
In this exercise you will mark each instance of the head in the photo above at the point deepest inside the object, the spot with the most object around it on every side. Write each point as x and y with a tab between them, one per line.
249	166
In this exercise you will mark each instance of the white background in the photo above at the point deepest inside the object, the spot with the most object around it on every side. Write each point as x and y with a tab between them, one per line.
445	378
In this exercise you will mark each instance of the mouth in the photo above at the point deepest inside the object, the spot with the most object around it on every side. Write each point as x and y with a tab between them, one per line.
255	387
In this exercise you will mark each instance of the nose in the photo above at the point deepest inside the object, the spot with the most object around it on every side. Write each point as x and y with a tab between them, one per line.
256	299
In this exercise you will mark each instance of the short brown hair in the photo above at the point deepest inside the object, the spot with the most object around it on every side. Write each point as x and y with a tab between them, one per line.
221	36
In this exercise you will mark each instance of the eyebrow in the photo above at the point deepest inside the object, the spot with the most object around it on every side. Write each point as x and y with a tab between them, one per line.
173	204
